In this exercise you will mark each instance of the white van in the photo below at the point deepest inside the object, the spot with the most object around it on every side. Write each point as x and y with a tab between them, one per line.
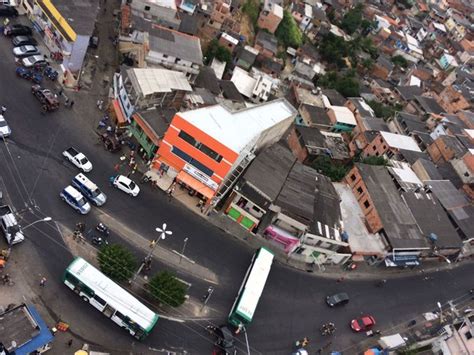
89	189
75	199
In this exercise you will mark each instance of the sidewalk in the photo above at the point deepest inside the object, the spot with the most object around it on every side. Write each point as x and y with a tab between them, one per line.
363	271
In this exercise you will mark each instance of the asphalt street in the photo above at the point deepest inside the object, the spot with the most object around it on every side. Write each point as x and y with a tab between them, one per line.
33	173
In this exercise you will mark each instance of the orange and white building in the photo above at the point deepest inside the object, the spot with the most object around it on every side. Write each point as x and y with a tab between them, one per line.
207	149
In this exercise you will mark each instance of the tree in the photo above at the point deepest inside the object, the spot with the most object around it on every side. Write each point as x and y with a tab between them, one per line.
347	84
384	111
374	160
167	289
324	165
368	64
288	33
214	50
352	19
116	262
333	49
400	61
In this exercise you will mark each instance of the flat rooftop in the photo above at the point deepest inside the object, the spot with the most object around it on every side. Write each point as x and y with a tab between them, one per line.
235	129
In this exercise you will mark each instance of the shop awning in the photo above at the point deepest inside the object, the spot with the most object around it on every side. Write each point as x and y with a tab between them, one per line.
195	185
121	119
402	260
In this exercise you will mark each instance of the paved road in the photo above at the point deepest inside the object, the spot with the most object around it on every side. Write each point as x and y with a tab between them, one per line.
293	302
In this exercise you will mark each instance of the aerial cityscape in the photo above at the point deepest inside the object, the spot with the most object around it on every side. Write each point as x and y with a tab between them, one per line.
236	177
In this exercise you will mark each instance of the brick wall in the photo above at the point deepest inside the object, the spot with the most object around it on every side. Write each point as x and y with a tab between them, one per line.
299	151
377	147
439	152
372	218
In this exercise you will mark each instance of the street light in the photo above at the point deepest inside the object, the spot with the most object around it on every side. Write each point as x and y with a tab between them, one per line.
440	312
45	219
163	233
182	251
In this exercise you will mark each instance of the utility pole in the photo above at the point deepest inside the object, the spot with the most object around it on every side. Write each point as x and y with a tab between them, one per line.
163	233
182	251
207	297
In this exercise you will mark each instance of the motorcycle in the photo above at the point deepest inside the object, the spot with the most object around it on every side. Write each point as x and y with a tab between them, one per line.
102	228
50	73
99	241
351	266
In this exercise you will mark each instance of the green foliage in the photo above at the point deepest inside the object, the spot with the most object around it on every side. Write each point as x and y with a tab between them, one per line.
324	165
214	50
167	289
400	61
368	63
116	262
333	49
288	33
374	160
384	111
352	20
347	84
252	9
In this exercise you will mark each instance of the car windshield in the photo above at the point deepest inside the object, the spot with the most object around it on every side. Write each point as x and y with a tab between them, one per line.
84	161
23	48
3	124
132	185
81	201
95	193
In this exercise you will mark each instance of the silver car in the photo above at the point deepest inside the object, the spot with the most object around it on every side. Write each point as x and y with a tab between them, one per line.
34	60
5	130
25	51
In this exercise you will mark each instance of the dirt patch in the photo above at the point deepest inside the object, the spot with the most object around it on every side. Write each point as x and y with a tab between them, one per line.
246	29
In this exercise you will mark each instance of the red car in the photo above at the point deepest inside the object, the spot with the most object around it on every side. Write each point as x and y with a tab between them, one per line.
363	323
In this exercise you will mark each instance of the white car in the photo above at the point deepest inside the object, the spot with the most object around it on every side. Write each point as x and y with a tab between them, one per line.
25	51
5	130
33	60
78	159
126	185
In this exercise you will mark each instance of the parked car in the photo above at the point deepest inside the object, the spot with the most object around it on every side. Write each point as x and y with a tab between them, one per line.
33	61
23	41
78	159
337	299
8	11
17	30
363	323
126	185
75	199
5	130
25	51
49	101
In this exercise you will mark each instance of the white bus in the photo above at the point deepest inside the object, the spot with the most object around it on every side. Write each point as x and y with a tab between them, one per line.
251	289
112	300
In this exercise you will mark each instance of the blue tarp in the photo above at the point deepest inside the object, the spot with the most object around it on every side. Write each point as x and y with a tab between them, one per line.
43	338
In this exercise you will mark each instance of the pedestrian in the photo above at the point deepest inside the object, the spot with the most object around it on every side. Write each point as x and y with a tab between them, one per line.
4	109
71	104
60	92
43	281
66	102
69	343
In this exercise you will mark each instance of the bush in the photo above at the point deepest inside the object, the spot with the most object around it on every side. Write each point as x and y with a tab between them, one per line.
116	262
167	289
384	111
347	84
400	61
214	50
333	49
252	9
324	165
288	33
374	160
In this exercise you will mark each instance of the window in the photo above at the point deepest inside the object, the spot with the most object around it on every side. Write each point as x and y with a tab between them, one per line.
374	147
366	204
359	190
201	147
100	300
384	147
353	177
468	335
187	158
147	8
165	55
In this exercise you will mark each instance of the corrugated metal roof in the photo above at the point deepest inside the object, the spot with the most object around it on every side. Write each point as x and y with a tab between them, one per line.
148	81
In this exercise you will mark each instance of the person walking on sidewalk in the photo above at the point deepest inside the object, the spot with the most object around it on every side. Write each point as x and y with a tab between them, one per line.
43	282
69	343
